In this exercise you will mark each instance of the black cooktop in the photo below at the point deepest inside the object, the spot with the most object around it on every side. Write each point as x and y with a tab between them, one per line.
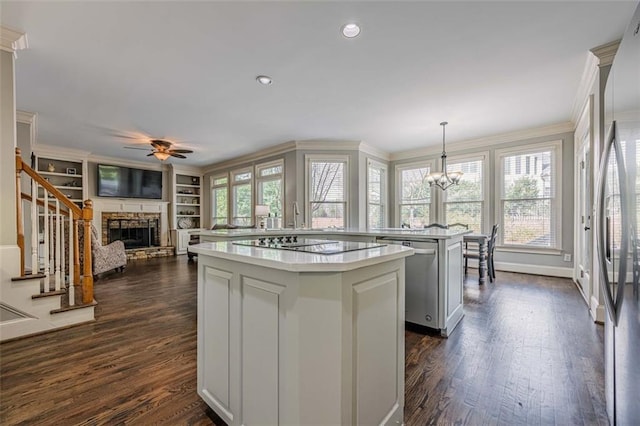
307	245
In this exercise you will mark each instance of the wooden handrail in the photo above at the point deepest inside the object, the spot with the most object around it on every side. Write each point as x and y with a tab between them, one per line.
41	204
52	189
75	214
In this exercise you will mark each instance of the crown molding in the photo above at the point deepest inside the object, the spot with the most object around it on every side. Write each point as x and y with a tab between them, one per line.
12	40
484	142
589	75
185	169
606	52
127	163
376	152
328	145
26	117
243	159
59	151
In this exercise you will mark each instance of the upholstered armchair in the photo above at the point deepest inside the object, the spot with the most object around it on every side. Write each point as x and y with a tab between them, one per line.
104	258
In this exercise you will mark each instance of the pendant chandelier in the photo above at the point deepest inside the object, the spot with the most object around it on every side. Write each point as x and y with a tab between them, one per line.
442	179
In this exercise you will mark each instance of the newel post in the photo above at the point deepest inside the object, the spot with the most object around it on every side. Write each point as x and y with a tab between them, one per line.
19	216
87	279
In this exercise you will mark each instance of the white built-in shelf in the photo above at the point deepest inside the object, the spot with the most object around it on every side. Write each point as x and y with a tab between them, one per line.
45	173
78	188
186	197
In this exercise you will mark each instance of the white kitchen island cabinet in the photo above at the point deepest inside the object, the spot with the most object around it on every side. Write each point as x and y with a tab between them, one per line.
297	338
434	275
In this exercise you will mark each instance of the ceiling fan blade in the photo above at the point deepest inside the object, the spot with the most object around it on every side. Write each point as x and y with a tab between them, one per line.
160	144
181	151
149	155
136	147
173	154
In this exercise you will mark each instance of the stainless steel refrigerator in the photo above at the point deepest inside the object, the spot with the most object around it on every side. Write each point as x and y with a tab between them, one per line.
617	234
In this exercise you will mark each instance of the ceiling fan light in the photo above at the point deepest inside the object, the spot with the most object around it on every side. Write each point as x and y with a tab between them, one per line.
161	155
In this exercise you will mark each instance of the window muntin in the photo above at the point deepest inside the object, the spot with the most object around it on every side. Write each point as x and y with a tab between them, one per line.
529	203
269	186
219	200
376	194
327	192
464	203
414	200
241	197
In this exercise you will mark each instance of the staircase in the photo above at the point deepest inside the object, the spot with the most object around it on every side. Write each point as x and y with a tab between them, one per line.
58	290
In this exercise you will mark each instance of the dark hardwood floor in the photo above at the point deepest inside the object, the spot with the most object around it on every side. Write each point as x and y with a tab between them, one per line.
526	352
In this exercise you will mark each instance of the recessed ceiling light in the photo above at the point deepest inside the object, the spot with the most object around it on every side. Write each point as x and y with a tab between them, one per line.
350	30
264	79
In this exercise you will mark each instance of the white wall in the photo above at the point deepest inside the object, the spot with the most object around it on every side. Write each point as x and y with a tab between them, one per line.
8	236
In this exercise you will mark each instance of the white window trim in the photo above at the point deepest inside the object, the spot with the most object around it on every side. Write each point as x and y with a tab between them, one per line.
213	186
384	197
308	158
276	176
231	196
406	166
556	146
486	186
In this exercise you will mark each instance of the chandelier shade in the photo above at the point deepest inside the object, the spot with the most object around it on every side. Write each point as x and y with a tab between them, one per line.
443	179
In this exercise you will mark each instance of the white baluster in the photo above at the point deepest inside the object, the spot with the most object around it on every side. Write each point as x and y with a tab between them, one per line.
63	261
35	228
57	244
46	242
52	237
71	291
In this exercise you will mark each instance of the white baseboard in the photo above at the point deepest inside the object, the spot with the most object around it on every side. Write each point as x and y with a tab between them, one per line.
597	310
550	271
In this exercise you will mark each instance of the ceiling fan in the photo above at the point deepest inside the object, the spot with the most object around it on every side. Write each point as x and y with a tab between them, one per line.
162	150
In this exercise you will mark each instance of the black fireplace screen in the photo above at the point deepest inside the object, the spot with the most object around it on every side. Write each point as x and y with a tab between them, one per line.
134	233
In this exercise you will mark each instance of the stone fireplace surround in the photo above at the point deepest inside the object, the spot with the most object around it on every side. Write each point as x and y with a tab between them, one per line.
135	209
133	218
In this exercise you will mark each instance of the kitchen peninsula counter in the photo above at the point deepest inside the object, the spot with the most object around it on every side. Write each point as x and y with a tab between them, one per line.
287	337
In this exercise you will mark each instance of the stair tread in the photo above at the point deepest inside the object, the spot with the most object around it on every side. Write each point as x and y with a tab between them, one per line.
28	277
48	294
71	308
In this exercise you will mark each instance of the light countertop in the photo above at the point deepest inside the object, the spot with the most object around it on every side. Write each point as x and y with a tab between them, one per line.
294	261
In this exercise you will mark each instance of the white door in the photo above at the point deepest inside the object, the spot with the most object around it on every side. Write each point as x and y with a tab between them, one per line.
583	210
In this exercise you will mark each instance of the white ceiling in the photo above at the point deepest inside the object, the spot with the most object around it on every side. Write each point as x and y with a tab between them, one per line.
95	71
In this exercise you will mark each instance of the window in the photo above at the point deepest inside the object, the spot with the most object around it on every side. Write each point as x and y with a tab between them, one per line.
529	205
269	186
327	191
376	194
241	201
414	199
219	200
464	203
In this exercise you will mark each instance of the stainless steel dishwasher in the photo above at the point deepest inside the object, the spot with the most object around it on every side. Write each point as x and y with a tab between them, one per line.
421	281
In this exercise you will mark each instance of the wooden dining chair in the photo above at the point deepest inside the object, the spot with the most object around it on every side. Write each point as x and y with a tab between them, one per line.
436	225
458	225
474	254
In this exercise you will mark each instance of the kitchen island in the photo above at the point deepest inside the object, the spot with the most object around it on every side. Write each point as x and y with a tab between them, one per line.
434	274
289	337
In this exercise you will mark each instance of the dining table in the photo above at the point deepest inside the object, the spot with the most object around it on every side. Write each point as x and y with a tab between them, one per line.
481	240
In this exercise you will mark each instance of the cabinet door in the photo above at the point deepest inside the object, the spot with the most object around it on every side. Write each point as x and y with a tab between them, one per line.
183	241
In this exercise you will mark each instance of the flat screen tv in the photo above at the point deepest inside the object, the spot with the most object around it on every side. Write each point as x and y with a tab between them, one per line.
125	182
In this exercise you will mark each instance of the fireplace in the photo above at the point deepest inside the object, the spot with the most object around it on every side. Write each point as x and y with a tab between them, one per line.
134	233
135	230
